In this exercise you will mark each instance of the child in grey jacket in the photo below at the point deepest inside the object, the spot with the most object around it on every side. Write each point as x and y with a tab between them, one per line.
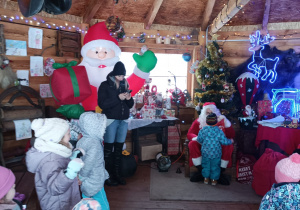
93	174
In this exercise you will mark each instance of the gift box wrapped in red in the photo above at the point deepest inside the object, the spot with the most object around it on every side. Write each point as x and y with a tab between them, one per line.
263	107
69	84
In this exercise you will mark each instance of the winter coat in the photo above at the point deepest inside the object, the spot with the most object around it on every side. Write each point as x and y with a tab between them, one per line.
211	138
93	173
54	189
110	103
282	196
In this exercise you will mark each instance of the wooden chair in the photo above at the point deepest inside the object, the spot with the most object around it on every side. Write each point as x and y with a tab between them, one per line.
12	109
187	166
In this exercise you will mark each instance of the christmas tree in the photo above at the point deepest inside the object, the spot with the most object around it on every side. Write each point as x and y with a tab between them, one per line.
212	75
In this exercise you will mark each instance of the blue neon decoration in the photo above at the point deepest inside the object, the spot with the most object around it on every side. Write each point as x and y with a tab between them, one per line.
259	63
288	94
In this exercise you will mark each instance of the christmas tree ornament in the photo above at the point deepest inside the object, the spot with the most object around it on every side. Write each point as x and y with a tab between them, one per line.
186	56
207	75
221	69
199	76
247	84
208	61
226	87
222	100
220	50
194	67
142	38
203	86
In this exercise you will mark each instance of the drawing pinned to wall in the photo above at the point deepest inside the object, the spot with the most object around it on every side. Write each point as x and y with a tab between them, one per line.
23	129
35	38
36	66
23	77
45	91
16	47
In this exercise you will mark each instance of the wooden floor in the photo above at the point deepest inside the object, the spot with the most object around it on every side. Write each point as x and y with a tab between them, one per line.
134	195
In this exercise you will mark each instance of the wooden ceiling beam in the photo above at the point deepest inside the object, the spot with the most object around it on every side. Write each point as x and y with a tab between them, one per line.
228	12
266	16
91	10
152	13
207	13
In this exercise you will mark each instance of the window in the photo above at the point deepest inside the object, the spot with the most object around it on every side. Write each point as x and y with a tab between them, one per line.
167	66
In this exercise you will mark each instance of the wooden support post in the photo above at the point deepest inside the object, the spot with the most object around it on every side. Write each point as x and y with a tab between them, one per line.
91	10
152	13
207	13
266	17
229	10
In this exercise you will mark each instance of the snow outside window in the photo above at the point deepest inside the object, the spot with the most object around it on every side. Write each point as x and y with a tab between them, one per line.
167	66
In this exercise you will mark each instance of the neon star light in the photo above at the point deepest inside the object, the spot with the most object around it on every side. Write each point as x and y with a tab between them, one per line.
287	94
259	63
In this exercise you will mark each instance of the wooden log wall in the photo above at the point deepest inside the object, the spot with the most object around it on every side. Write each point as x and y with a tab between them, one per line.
236	52
16	31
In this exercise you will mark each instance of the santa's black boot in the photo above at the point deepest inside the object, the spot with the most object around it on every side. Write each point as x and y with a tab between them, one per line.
197	177
224	178
108	158
118	147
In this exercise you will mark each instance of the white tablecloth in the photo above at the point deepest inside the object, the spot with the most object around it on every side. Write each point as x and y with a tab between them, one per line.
136	123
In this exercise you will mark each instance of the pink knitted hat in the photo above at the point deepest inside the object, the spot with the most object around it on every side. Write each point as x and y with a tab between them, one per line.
7	180
288	169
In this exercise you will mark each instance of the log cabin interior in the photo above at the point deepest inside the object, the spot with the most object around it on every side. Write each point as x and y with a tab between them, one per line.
190	27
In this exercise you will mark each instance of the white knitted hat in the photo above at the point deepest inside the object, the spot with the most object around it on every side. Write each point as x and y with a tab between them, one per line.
50	129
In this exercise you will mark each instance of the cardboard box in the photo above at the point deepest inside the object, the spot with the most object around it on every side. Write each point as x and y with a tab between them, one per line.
149	149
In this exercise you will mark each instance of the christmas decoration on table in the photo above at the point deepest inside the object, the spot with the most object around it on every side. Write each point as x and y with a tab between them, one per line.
247	84
290	122
261	65
194	66
249	118
159	105
142	38
186	56
149	111
211	81
100	52
286	101
177	97
147	93
7	76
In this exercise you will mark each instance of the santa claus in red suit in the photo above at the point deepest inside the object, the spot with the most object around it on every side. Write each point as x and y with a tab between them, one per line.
195	147
100	53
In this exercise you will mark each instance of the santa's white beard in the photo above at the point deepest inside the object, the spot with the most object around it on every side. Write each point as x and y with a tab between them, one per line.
94	62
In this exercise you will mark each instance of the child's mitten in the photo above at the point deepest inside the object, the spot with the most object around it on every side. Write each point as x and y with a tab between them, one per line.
73	168
77	153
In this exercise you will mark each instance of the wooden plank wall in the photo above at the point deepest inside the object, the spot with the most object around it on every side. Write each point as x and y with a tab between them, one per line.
16	31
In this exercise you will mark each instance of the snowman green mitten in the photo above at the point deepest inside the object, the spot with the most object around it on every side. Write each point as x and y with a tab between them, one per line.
145	62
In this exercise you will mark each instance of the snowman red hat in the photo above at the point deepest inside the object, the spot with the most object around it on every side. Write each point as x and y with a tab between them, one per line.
98	35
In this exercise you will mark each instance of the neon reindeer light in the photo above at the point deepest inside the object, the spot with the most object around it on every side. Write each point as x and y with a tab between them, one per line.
259	63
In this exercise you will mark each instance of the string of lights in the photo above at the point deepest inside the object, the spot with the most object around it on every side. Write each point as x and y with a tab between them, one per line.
39	22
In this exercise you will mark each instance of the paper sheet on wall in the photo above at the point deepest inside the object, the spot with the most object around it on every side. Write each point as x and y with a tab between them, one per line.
23	129
35	38
23	77
16	47
36	66
45	91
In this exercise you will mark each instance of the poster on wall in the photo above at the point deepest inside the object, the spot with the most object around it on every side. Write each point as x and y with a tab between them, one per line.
35	38
23	77
16	47
45	91
36	66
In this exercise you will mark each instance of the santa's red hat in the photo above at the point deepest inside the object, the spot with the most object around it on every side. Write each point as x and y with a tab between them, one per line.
99	36
209	103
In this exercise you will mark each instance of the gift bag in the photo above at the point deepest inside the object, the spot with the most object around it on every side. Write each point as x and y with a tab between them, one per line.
264	171
244	168
263	107
69	84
